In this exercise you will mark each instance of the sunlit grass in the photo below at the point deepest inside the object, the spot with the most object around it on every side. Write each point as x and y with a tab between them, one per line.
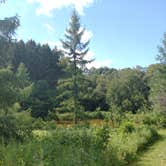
155	155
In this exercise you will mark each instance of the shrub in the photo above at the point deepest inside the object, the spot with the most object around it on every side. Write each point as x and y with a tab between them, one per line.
157	119
147	120
162	122
127	127
50	125
52	116
12	128
95	115
66	116
74	146
149	133
39	124
126	147
102	136
8	128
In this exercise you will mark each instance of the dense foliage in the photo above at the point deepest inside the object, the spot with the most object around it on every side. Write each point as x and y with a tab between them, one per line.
79	146
45	76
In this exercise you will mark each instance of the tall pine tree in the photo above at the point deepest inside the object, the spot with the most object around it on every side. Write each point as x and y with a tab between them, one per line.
76	50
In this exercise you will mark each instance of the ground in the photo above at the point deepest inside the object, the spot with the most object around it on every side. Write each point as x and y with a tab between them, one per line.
155	155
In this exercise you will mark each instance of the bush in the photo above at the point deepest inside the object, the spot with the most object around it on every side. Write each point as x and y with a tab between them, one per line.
39	124
157	119
11	128
78	146
52	116
50	125
8	128
95	115
127	146
148	133
147	120
102	137
162	122
66	117
127	127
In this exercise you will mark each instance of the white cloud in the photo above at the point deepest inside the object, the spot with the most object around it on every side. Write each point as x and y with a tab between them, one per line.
90	55
49	28
30	1
59	44
47	6
96	63
87	36
101	63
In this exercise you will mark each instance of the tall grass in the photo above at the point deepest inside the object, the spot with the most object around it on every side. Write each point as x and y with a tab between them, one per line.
81	146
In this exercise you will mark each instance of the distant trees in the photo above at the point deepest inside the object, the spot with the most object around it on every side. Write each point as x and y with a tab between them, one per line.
158	79
13	87
128	91
32	71
8	81
94	90
44	70
75	49
6	53
8	27
23	83
8	89
162	51
40	60
45	80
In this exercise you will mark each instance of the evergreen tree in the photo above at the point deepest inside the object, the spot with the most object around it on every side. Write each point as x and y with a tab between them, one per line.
76	50
8	82
8	27
23	82
8	89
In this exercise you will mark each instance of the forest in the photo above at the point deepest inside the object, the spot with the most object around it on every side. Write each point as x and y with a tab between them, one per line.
54	111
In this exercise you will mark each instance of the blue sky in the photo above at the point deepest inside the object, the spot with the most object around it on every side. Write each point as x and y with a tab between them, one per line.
124	33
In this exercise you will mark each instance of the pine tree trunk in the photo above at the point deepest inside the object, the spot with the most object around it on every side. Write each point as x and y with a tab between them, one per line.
75	91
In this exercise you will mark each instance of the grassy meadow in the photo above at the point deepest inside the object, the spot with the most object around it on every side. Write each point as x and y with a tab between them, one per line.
90	143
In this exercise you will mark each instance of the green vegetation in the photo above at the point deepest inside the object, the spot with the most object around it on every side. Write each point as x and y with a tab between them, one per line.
42	89
78	146
76	50
149	156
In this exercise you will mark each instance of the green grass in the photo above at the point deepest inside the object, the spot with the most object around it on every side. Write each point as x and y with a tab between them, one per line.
94	146
155	155
84	144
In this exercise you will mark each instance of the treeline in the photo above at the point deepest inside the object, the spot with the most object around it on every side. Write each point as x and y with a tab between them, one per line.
45	81
48	73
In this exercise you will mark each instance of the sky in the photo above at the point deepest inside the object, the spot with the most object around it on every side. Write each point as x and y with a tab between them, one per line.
123	33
